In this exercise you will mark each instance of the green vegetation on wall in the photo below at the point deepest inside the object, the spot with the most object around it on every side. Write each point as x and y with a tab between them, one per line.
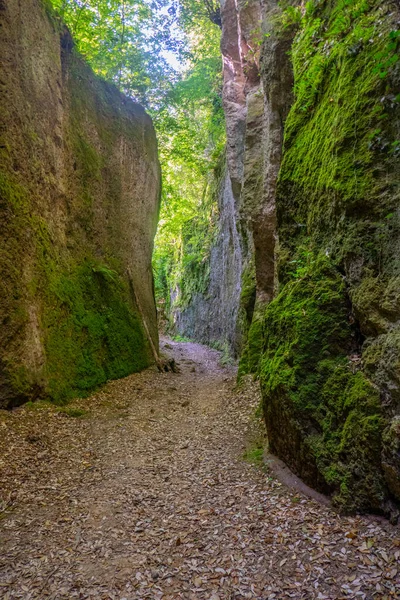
314	391
93	331
341	149
69	316
185	273
338	222
128	43
191	132
252	318
15	232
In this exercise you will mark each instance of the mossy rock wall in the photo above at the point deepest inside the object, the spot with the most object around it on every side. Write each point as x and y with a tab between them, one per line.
330	369
79	198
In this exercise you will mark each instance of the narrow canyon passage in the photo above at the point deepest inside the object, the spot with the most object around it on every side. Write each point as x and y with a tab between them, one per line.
147	495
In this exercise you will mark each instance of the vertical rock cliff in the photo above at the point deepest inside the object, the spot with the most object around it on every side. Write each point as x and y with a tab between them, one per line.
79	199
257	93
222	313
330	341
312	105
211	315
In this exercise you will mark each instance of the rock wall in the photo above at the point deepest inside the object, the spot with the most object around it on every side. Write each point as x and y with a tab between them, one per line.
329	370
79	199
222	314
211	316
257	93
312	104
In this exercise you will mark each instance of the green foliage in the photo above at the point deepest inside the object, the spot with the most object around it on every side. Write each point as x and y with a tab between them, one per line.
289	19
255	454
126	42
123	40
314	394
191	132
180	338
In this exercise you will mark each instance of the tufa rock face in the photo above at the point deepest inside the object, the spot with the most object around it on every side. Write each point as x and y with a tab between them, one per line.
79	199
212	317
311	98
330	368
240	199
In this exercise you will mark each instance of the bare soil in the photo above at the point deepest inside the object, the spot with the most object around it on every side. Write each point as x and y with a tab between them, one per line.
147	495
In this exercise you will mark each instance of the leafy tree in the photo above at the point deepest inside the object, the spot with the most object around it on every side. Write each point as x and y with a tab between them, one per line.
123	40
191	131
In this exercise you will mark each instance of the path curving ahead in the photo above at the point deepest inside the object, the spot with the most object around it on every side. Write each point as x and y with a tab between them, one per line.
148	496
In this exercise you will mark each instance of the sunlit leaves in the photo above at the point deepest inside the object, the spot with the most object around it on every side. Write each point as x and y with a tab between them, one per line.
191	132
123	40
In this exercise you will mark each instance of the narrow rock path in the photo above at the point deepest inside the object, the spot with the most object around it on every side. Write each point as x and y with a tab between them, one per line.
147	495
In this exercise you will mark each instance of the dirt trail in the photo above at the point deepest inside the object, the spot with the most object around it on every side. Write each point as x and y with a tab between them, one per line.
148	496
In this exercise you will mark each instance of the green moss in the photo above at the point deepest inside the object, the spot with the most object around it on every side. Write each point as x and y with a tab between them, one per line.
376	303
254	454
381	361
88	160
226	359
20	380
338	256
250	320
252	351
16	238
76	413
314	394
248	294
339	134
91	330
69	322
93	333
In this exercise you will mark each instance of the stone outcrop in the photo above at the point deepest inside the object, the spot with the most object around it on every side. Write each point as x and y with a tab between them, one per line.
79	199
240	196
257	93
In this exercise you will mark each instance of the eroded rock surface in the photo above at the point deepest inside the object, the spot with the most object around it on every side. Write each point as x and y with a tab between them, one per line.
213	316
79	184
329	368
311	99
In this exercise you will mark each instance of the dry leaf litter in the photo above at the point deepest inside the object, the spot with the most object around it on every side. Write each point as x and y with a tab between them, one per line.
148	496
